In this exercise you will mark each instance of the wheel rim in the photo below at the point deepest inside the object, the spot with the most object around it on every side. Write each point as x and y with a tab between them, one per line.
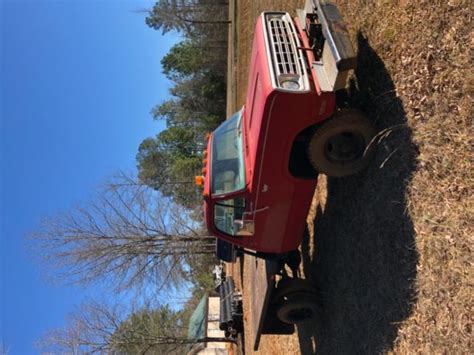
345	147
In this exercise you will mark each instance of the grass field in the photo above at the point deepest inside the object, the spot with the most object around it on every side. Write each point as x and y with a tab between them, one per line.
391	249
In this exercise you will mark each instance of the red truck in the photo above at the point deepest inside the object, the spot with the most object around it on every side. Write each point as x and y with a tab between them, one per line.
262	163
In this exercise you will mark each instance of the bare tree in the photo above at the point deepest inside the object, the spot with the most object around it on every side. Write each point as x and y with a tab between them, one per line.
129	235
102	329
4	350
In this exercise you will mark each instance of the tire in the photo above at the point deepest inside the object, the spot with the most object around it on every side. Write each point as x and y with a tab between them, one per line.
298	308
290	286
342	145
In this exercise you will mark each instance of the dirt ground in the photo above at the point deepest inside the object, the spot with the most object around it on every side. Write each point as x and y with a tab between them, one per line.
390	249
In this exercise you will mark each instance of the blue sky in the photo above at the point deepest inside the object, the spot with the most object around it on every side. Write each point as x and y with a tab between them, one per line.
78	80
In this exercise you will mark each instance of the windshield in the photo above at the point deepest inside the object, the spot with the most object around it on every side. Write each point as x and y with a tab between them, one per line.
227	170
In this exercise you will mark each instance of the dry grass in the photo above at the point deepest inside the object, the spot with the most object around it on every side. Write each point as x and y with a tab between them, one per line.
392	248
425	47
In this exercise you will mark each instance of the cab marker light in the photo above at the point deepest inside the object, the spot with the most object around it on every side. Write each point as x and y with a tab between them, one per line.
199	180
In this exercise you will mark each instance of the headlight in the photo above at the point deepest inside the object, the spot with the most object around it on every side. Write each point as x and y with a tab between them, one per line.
290	82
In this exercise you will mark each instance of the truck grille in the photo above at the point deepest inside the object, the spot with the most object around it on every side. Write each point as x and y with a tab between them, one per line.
286	58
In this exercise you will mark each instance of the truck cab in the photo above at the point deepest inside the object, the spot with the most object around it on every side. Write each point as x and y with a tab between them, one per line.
262	163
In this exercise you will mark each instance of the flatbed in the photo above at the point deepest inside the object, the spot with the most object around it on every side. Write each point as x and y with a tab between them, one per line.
262	284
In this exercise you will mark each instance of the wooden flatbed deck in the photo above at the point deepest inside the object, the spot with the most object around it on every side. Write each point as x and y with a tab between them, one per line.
262	284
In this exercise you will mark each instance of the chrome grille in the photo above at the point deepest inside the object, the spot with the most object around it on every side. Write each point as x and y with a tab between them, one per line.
284	43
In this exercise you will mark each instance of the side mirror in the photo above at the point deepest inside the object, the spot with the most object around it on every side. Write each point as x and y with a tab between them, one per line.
225	251
244	228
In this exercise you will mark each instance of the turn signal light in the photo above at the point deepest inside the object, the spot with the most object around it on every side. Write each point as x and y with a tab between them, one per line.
199	180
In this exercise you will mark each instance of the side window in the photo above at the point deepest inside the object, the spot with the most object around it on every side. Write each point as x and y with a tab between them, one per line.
226	211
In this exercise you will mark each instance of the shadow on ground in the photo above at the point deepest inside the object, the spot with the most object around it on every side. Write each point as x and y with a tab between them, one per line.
364	258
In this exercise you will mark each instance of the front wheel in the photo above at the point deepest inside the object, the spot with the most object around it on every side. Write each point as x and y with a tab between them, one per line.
342	145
